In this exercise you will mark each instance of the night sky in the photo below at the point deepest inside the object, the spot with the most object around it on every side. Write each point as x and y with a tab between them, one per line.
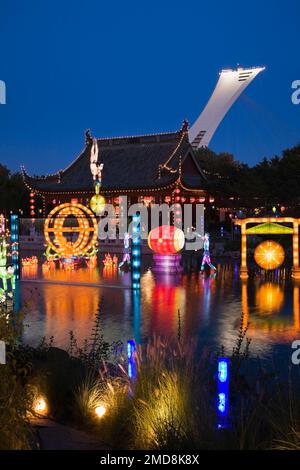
134	67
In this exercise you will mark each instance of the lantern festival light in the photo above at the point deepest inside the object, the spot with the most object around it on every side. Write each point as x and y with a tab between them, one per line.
223	392
31	261
166	240
32	206
14	237
136	252
269	255
110	261
97	202
86	228
131	358
2	225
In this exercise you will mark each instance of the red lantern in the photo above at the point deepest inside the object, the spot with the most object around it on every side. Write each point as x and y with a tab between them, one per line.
32	202
166	240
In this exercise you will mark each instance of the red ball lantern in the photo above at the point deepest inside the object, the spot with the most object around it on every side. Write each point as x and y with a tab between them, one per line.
166	240
32	204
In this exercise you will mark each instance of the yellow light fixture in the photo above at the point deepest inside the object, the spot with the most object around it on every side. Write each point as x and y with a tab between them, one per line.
269	255
40	405
100	411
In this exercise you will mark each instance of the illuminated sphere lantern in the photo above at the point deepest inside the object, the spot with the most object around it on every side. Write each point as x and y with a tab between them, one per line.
166	240
97	204
269	255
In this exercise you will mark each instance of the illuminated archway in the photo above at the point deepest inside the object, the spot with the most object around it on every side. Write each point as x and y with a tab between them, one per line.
269	225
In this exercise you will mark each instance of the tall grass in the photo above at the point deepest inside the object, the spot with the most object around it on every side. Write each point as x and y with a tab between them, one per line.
168	405
171	404
15	394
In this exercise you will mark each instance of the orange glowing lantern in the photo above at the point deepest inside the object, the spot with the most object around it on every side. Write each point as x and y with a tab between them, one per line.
269	254
166	240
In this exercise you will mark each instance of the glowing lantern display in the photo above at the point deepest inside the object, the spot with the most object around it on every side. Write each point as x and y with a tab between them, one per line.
32	206
97	204
166	240
86	229
223	392
269	254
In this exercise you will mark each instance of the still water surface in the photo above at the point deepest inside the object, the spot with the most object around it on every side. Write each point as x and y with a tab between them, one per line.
208	308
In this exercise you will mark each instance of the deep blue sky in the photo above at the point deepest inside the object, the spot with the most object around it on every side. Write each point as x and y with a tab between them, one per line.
131	67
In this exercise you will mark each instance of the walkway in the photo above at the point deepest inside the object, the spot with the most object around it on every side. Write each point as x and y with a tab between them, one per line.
55	436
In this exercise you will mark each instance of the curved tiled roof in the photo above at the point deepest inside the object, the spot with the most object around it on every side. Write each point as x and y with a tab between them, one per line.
148	161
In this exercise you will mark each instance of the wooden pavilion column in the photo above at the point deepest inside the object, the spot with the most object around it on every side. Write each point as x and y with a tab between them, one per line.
296	269
243	268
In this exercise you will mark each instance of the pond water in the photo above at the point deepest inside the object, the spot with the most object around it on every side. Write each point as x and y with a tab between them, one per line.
206	307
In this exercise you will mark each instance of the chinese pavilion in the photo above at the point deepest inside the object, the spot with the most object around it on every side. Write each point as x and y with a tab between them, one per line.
154	168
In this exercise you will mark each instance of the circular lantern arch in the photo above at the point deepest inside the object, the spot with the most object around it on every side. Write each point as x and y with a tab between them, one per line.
166	240
86	228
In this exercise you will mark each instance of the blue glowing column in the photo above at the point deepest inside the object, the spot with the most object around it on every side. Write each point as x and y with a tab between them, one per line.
136	252
223	392
136	308
131	358
14	238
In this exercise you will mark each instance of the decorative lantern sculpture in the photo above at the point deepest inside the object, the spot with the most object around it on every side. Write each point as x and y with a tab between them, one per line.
166	240
97	203
57	229
269	254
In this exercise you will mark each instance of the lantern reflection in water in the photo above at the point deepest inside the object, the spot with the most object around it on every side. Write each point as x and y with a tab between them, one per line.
69	308
29	267
269	298
267	317
164	299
